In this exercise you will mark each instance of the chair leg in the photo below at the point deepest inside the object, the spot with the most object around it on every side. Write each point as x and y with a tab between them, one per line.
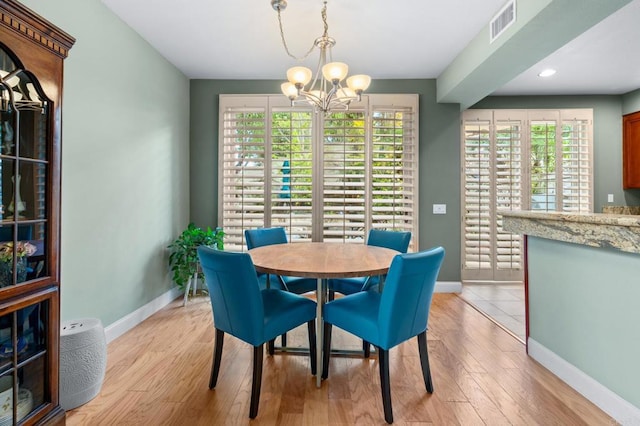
283	340
326	350
366	348
271	346
383	360
257	380
424	361
313	354
217	356
332	295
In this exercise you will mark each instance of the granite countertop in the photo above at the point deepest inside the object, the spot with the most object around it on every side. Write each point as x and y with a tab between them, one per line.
614	231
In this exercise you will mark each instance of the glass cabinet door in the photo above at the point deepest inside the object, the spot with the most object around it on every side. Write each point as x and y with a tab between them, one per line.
23	362
24	118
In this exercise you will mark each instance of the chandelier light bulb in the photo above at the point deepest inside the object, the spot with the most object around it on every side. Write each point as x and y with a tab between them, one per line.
299	76
346	94
335	72
289	90
359	83
318	94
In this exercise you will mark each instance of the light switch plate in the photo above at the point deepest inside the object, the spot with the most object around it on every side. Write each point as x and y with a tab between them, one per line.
610	198
439	209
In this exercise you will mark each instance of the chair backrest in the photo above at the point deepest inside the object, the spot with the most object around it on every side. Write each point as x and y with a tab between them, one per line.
394	240
235	295
264	237
406	296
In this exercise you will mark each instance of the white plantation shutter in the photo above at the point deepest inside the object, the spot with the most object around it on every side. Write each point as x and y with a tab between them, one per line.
291	173
576	190
518	160
543	148
508	162
394	178
242	169
322	178
561	160
477	195
344	177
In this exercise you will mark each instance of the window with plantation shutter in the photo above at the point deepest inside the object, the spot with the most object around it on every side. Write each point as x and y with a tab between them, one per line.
322	177
395	168
519	160
292	173
344	189
243	167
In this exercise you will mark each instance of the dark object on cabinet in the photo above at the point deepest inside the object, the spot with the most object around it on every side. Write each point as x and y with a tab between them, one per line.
631	150
32	52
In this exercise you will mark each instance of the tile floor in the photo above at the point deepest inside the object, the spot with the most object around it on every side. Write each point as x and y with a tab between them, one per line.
504	303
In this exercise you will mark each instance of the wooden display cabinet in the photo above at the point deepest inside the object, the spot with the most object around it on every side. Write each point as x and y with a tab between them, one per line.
631	151
32	52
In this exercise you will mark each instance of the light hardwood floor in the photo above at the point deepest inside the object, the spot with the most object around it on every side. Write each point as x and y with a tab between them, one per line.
157	374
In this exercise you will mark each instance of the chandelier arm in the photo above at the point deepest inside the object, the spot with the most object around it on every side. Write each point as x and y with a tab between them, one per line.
286	47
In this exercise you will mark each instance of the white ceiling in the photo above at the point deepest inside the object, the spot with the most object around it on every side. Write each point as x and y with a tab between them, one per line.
240	39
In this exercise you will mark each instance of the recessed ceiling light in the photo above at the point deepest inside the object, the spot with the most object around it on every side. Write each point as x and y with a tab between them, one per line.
547	73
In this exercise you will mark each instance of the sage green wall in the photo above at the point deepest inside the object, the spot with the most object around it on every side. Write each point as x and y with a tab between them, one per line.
583	306
607	135
439	158
631	102
125	183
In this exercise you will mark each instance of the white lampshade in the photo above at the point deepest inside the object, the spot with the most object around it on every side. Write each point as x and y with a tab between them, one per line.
346	94
335	71
359	83
319	94
299	75
289	90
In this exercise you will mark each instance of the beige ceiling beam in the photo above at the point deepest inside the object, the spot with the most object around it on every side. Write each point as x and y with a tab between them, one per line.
541	28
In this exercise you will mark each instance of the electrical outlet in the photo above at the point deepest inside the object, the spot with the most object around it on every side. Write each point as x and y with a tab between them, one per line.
610	198
439	209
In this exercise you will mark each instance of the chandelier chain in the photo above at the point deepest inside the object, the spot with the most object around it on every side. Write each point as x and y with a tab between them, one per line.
286	47
325	35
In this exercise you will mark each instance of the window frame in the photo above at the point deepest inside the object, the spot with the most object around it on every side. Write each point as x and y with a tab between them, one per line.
370	104
579	152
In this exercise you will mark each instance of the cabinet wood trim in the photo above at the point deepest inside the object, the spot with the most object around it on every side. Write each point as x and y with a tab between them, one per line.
631	150
18	18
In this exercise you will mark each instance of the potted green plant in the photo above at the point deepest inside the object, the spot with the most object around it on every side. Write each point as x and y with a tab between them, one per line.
183	259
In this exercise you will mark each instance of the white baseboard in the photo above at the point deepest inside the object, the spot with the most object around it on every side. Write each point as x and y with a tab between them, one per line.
126	323
448	287
621	410
129	321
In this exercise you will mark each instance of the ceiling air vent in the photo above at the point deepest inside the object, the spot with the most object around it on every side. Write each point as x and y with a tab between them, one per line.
503	20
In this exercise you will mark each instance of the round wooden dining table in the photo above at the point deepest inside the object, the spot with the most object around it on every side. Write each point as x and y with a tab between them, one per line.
322	260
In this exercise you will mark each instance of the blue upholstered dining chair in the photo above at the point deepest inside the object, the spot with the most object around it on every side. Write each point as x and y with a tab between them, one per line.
394	240
253	315
387	319
268	236
298	285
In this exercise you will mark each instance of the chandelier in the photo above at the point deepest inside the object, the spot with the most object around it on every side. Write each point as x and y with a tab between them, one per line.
326	92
